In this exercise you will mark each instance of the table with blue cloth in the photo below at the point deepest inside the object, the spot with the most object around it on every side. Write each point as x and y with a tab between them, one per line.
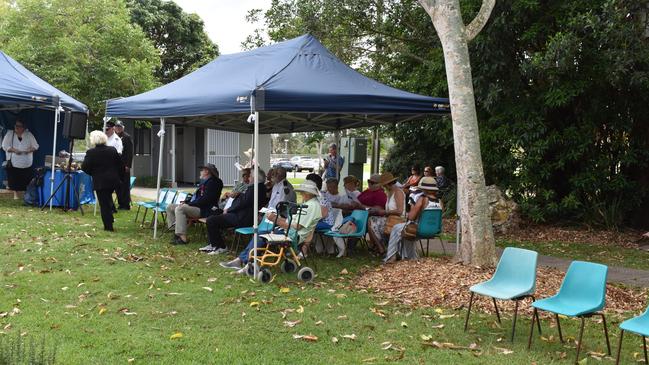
81	181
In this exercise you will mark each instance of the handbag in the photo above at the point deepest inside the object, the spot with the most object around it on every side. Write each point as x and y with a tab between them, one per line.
7	163
390	222
410	231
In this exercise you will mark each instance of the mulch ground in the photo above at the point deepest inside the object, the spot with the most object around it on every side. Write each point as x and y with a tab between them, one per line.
531	232
439	282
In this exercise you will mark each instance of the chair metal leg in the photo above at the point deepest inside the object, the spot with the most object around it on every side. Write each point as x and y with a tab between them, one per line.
137	213
497	313
538	321
514	324
608	343
468	313
644	346
581	335
559	327
529	340
619	348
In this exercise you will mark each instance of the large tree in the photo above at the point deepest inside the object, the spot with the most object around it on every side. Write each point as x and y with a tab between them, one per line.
180	38
91	52
477	245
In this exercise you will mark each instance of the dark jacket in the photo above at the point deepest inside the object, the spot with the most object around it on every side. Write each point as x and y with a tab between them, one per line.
242	206
207	195
127	149
105	166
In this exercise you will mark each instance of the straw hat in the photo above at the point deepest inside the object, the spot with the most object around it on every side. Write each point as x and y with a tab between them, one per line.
427	183
387	178
376	179
308	186
248	153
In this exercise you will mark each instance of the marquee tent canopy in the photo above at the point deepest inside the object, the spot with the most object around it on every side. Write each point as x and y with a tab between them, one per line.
21	89
298	85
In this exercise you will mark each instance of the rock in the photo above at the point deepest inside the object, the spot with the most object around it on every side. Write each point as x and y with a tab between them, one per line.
504	212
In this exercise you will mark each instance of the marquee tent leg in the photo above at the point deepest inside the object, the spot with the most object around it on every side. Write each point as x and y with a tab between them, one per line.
255	205
161	134
173	156
57	119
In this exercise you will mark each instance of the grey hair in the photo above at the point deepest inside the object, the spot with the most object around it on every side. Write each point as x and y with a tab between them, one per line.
333	145
98	138
439	169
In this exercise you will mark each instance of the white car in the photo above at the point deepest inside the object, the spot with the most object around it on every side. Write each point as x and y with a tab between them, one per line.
301	163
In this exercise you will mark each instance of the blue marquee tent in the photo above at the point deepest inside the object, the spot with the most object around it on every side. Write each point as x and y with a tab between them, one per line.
298	85
25	95
292	86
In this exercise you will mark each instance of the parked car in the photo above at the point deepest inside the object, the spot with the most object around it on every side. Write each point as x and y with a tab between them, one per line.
284	163
301	163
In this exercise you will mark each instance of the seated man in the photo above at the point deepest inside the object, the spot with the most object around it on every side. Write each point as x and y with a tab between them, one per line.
239	214
203	201
282	190
308	218
237	190
373	196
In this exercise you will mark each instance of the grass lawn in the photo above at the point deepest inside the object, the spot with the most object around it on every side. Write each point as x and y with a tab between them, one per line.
122	297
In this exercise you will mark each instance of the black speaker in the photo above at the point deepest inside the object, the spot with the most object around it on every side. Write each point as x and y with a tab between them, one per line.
74	125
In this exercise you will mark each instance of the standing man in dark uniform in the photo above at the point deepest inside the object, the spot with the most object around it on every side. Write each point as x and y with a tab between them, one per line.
124	192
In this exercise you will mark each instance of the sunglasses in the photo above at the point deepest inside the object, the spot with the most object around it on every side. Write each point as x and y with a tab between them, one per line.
19	126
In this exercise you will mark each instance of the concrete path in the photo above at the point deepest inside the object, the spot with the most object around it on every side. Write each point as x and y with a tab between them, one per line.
622	275
139	193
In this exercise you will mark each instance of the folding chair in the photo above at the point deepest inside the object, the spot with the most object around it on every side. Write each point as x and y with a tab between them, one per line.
161	208
360	218
150	204
514	279
582	295
638	325
264	226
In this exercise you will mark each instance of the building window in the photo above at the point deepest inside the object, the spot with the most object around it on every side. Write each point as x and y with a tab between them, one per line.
142	141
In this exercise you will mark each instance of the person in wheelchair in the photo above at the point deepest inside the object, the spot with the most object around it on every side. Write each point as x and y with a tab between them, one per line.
309	215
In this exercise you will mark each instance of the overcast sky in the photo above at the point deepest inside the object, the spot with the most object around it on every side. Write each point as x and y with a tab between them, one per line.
225	20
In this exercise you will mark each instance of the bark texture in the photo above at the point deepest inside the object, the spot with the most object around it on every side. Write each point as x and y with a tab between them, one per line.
477	245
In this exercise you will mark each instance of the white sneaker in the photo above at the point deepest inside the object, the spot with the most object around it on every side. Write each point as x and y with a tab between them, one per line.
243	270
234	264
218	251
208	248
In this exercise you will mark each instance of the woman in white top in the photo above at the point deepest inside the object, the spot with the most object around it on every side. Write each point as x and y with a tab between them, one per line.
396	205
19	146
427	200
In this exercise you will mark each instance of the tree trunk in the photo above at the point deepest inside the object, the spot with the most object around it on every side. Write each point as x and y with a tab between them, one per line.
477	246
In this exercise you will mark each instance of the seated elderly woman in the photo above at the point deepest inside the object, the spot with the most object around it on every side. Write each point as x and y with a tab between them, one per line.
424	201
373	196
413	179
308	217
395	208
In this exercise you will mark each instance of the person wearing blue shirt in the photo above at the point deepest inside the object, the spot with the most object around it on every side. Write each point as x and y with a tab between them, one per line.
333	163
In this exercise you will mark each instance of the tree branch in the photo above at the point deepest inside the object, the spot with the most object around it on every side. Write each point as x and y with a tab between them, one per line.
429	6
479	21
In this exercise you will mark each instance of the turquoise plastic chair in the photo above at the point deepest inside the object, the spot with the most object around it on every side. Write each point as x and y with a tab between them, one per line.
264	227
582	295
360	218
170	198
638	325
514	279
430	226
132	183
150	204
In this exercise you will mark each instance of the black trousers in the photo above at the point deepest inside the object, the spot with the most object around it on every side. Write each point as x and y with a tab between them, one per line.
105	198
216	224
124	192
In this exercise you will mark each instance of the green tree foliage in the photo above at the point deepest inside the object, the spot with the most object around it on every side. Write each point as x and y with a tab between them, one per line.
561	90
179	37
90	51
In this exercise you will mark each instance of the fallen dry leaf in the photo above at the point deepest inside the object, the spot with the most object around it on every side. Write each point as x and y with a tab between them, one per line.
310	338
176	336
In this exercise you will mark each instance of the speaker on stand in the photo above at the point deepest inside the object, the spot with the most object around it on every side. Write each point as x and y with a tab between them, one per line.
74	127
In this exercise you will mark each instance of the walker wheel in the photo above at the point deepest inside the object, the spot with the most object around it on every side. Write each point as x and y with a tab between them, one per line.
264	276
305	274
251	269
288	266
